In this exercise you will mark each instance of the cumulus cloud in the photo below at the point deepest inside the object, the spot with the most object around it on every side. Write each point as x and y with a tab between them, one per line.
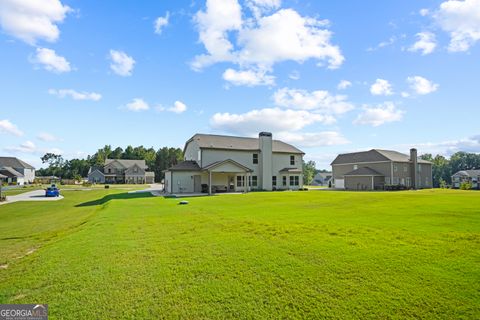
259	7
137	105
30	147
178	107
461	19
75	95
424	12
47	137
161	22
248	78
31	20
421	85
122	64
50	61
319	101
344	84
426	43
264	40
7	127
317	139
376	116
269	119
448	147
381	87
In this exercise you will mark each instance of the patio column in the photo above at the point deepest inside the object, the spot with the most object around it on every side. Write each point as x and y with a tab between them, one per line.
210	183
245	183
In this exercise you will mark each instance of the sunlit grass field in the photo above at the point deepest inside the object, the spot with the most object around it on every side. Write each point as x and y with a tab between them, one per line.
107	254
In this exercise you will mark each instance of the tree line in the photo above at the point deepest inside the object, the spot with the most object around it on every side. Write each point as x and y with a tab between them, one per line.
156	160
443	168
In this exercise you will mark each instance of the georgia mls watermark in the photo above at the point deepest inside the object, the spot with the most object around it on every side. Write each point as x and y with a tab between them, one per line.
23	311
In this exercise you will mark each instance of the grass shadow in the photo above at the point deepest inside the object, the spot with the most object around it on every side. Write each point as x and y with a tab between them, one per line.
117	196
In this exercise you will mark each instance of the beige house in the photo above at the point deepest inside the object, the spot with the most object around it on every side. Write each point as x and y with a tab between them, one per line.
121	171
215	163
381	169
16	171
471	176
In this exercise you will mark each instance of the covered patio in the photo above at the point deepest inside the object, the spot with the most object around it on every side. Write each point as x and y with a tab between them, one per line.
228	176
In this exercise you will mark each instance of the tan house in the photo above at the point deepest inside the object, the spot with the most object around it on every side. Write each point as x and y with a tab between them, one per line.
216	163
16	171
470	176
121	171
381	169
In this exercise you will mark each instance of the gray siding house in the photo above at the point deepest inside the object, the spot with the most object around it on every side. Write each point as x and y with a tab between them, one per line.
216	163
16	171
121	171
379	169
472	176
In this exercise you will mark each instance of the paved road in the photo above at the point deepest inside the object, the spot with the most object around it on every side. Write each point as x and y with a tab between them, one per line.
36	195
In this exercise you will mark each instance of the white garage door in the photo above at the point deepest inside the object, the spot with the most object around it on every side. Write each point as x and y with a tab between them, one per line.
339	183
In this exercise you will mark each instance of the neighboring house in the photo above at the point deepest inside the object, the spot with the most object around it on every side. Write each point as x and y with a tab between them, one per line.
472	176
17	171
377	169
121	171
215	163
322	179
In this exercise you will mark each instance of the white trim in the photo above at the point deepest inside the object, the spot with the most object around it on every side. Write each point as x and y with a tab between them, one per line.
350	163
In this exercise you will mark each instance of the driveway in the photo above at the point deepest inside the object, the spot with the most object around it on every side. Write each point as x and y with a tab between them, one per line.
155	189
36	195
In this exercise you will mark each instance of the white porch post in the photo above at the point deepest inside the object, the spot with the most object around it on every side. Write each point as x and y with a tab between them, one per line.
245	183
210	182
372	183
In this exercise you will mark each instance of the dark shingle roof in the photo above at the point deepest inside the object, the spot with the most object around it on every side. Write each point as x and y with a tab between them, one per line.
211	141
291	170
94	168
373	156
128	163
364	171
14	163
468	173
185	166
9	171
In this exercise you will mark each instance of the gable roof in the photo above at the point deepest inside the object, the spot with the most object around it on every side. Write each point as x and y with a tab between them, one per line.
189	165
95	168
9	171
364	171
219	163
212	141
468	173
2	176
127	163
374	155
14	163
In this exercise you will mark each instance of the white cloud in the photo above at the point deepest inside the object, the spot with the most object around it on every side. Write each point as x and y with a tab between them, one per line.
30	147
376	116
319	101
421	85
381	87
426	43
50	61
137	104
62	93
248	78
161	22
178	107
384	44
344	84
318	139
405	94
122	64
294	75
264	40
259	7
268	119
424	12
447	148
7	127
31	20
47	137
461	19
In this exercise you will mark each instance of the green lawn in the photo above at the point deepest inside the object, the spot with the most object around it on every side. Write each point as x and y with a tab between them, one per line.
106	254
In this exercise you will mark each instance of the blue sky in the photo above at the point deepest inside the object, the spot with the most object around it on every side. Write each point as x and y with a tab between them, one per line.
326	76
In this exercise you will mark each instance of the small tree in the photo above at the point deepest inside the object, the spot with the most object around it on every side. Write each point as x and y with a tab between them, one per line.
308	171
443	184
466	185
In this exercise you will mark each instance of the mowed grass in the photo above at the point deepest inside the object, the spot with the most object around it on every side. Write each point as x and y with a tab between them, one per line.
106	254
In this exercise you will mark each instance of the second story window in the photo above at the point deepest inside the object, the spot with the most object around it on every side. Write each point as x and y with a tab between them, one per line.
292	160
355	167
255	158
395	167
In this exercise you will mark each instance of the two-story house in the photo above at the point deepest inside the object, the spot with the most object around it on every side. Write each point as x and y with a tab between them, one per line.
471	176
121	171
16	171
216	163
376	169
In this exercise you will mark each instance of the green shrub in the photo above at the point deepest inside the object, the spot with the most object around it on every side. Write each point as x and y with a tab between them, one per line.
466	185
